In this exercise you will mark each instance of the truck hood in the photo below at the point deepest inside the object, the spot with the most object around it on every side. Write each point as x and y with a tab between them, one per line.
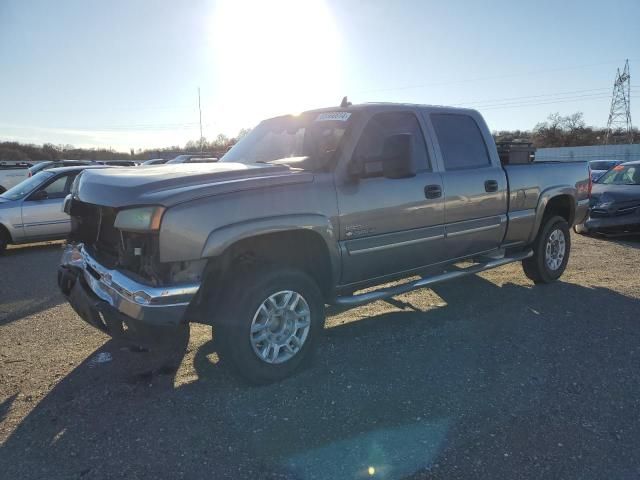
170	185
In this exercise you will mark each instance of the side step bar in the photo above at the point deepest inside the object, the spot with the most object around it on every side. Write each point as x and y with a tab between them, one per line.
363	298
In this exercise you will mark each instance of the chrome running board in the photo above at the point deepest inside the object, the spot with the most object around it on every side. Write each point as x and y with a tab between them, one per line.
363	298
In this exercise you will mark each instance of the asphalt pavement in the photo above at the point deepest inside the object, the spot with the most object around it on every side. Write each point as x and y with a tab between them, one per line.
487	377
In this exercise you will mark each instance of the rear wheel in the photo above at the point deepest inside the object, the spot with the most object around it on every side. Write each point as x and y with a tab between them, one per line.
551	250
270	323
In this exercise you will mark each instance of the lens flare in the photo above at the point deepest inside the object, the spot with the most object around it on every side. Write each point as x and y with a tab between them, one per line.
273	58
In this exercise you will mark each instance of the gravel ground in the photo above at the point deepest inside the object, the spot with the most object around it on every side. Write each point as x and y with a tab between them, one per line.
488	377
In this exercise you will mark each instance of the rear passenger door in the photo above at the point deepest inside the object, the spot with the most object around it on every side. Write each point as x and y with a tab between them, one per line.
475	186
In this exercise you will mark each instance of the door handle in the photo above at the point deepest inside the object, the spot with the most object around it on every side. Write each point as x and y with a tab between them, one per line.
433	191
491	186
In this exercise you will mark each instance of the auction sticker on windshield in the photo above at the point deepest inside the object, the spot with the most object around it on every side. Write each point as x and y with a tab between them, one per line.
333	116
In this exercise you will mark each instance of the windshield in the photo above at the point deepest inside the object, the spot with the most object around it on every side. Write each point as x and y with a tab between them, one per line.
602	164
309	141
27	186
622	175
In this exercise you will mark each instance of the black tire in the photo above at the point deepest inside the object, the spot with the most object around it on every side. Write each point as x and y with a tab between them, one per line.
4	240
536	267
245	295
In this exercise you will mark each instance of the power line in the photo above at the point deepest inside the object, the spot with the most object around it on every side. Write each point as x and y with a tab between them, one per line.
534	104
507	99
479	79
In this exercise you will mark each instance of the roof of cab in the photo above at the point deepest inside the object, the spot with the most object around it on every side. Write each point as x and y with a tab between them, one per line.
385	106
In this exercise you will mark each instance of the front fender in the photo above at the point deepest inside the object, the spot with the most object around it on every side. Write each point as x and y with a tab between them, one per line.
222	238
546	196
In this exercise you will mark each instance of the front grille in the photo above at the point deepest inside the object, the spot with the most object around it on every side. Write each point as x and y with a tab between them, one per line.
136	253
601	213
93	225
626	210
107	241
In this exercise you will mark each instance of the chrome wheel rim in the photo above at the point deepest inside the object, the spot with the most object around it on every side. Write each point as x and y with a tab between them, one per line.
280	327
555	249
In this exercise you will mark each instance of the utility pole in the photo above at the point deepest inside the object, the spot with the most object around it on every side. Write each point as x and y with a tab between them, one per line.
200	110
620	112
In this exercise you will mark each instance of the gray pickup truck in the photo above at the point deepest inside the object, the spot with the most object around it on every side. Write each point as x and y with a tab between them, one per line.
306	211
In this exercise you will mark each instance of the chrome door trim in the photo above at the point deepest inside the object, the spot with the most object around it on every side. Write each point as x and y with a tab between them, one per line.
395	245
473	230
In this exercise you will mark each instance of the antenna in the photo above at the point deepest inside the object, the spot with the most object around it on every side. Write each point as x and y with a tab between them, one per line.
200	110
345	103
620	112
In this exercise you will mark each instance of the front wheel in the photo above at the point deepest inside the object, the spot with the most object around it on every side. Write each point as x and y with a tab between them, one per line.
4	240
551	250
271	321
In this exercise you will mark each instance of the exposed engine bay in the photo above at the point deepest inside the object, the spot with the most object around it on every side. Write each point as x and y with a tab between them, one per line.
134	252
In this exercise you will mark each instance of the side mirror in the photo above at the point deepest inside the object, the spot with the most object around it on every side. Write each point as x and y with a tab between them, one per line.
39	195
397	156
66	204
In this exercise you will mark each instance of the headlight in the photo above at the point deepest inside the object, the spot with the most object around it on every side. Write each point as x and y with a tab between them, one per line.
604	202
141	219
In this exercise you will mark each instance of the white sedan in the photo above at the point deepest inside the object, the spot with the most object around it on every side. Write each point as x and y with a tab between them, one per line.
32	210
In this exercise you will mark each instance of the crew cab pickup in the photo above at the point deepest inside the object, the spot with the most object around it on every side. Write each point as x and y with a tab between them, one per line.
306	211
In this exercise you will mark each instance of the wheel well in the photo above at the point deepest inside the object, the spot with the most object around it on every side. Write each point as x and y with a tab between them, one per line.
301	249
2	189
561	205
5	231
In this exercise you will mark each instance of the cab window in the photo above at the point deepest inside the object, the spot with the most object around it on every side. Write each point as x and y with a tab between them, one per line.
383	125
461	142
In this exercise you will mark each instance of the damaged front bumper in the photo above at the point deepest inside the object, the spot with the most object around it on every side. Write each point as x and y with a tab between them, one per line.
108	298
614	223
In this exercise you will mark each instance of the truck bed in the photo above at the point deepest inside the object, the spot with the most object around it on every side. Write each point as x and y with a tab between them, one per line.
525	192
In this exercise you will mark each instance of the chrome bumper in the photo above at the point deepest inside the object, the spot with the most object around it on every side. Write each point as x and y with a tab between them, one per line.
152	305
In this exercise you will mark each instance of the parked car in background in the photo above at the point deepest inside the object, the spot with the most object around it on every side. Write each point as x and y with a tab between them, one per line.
600	167
308	210
615	201
192	159
117	163
12	173
155	161
32	210
38	167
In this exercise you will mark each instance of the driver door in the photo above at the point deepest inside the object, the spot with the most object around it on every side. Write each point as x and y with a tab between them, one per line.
388	225
44	219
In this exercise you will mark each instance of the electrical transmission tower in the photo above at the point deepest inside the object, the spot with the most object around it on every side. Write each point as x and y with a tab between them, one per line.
620	113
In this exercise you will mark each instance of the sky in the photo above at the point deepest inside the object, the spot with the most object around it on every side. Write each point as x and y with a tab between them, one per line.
125	74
